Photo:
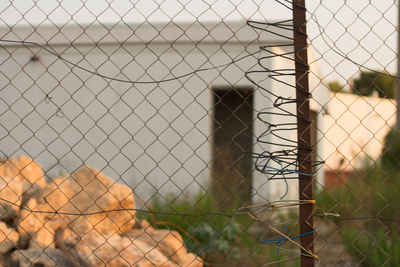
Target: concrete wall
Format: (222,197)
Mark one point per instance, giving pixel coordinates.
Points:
(354,130)
(155,137)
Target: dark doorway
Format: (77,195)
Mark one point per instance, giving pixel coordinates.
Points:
(233,145)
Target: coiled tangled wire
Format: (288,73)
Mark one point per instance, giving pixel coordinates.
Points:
(283,162)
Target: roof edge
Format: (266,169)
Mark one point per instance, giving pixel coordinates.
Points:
(219,32)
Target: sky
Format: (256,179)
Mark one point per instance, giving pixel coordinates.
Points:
(364,30)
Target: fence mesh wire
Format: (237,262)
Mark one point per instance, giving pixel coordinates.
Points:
(163,133)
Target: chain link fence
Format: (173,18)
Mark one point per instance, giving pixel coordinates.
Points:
(165,133)
(357,42)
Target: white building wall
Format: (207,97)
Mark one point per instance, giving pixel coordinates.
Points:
(354,130)
(154,137)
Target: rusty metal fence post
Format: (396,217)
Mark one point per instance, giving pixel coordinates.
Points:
(303,132)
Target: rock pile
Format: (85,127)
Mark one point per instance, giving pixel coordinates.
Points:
(56,236)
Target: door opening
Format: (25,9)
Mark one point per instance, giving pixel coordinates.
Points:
(232,145)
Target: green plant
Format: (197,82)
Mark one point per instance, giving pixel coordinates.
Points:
(222,240)
(369,82)
(335,86)
(391,151)
(373,248)
(374,191)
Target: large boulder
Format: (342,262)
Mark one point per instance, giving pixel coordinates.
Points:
(71,222)
(23,169)
(168,242)
(87,190)
(38,257)
(37,229)
(10,198)
(8,238)
(109,249)
(84,191)
(21,172)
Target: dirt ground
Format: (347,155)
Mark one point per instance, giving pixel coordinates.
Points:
(329,247)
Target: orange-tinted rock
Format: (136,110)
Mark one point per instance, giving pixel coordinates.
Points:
(73,213)
(23,169)
(89,191)
(8,238)
(111,250)
(11,197)
(168,242)
(39,228)
(39,257)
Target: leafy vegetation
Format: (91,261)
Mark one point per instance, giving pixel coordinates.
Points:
(374,248)
(222,240)
(372,192)
(369,82)
(335,86)
(391,152)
